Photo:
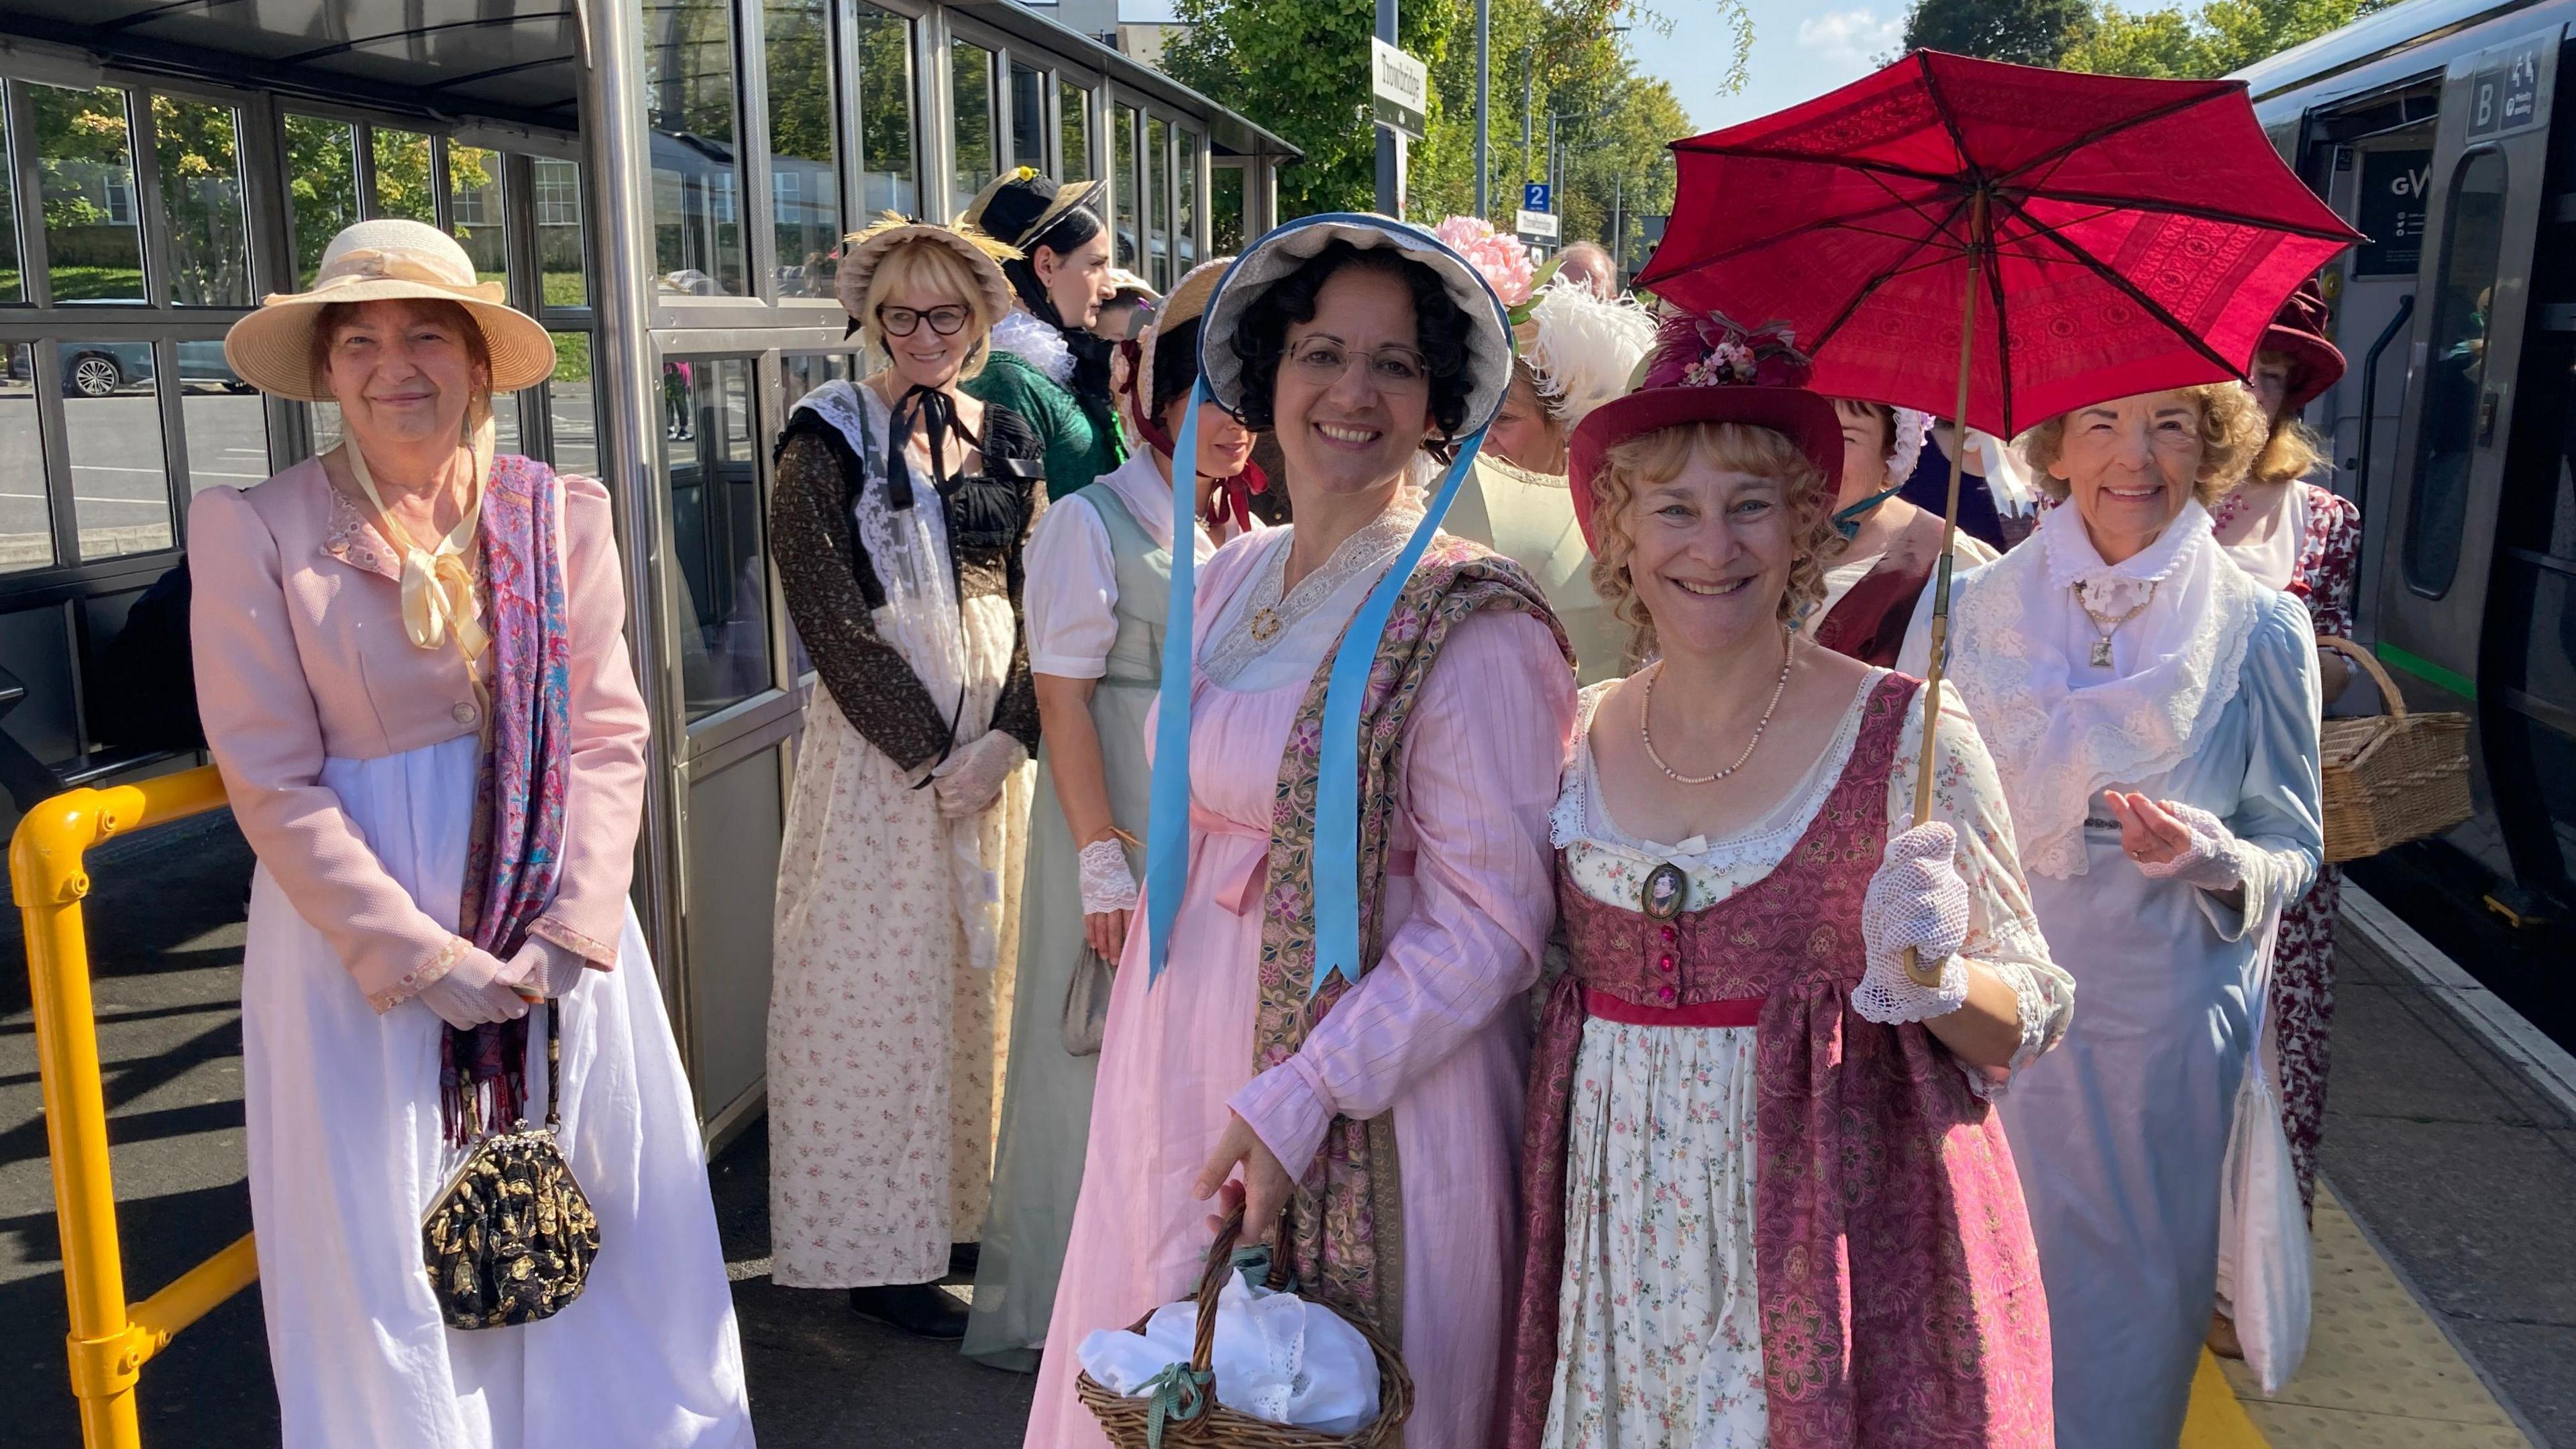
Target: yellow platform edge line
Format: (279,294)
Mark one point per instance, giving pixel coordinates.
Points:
(2217,1420)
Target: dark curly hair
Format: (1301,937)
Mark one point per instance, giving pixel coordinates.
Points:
(1441,330)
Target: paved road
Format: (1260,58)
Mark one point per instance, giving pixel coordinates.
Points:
(120,492)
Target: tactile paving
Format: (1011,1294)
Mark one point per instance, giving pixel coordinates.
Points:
(2379,1374)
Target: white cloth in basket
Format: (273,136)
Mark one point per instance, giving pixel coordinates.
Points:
(1277,1357)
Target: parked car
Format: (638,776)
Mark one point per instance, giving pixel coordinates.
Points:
(102,369)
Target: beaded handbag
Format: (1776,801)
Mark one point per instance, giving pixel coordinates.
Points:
(510,1239)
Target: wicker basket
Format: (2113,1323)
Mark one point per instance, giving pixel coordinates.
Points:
(1125,1419)
(2391,778)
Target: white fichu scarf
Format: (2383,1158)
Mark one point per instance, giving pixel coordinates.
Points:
(439,602)
(908,548)
(2062,730)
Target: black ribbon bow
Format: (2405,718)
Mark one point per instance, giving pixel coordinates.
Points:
(936,411)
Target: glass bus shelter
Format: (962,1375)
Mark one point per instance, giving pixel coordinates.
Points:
(662,182)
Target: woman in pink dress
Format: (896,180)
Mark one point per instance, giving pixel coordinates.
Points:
(1385,1113)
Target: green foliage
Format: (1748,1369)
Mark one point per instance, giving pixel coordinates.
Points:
(2029,32)
(2219,37)
(1300,68)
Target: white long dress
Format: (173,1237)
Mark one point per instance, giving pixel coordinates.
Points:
(346,1153)
(2210,699)
(890,927)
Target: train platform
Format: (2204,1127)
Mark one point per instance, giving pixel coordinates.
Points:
(2446,1254)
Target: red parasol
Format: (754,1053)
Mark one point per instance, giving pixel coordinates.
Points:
(2118,236)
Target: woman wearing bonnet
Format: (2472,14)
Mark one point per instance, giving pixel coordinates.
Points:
(2152,709)
(1047,363)
(1575,352)
(412,667)
(900,511)
(1386,1109)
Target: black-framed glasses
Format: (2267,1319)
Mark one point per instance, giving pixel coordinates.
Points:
(1396,369)
(903,321)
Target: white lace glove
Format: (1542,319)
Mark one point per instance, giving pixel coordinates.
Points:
(1107,882)
(473,994)
(2216,860)
(970,779)
(1916,899)
(543,970)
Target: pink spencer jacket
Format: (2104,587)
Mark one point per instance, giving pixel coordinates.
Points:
(296,620)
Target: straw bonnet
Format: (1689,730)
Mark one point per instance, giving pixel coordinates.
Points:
(1187,303)
(862,251)
(1293,244)
(384,260)
(1707,369)
(1130,287)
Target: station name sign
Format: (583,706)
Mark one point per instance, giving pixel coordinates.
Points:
(1400,87)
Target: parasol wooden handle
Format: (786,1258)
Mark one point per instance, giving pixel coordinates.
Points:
(1980,236)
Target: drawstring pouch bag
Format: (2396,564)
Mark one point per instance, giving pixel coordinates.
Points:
(2264,1266)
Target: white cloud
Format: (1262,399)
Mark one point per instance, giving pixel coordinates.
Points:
(1850,39)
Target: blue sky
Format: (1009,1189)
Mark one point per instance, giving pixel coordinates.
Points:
(1801,48)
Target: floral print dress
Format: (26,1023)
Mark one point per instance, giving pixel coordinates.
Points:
(1659,1322)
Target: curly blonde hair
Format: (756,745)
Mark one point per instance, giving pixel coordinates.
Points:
(2232,431)
(1659,457)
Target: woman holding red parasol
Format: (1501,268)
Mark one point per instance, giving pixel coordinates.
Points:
(2153,712)
(1709,1262)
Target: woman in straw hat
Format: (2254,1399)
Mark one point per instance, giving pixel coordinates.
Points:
(411,663)
(1386,1110)
(1099,576)
(1766,1202)
(1576,352)
(900,510)
(1048,365)
(2153,713)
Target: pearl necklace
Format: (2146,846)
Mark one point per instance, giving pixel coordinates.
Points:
(1646,736)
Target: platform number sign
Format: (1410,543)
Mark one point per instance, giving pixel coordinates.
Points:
(1534,196)
(2505,96)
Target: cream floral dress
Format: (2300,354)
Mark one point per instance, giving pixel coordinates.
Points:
(1660,1339)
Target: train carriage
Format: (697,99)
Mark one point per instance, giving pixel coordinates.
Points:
(2434,126)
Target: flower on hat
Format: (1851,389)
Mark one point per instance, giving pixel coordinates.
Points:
(1504,262)
(1695,349)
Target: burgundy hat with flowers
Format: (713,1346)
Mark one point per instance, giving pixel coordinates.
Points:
(1707,369)
(2304,331)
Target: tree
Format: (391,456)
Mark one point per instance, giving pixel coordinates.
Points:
(2030,32)
(1296,65)
(2220,37)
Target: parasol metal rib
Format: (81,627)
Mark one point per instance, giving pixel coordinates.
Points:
(2003,359)
(2111,274)
(1903,264)
(2112,205)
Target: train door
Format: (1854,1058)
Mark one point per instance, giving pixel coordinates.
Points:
(2435,536)
(2527,676)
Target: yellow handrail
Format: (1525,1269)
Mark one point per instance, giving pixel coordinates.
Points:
(110,1340)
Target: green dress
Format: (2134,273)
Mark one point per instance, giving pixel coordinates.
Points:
(1081,435)
(1046,1105)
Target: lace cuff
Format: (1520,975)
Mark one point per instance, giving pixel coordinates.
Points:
(2040,1030)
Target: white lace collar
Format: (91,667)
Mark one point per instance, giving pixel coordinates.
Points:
(2062,729)
(1268,615)
(1041,346)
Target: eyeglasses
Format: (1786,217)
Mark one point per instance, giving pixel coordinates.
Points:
(1322,362)
(902,321)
